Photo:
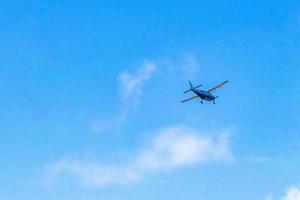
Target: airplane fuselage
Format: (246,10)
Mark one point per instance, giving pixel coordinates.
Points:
(204,95)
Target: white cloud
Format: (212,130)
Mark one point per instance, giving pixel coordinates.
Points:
(293,193)
(131,84)
(131,92)
(171,148)
(179,146)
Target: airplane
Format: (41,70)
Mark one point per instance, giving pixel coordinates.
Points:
(202,94)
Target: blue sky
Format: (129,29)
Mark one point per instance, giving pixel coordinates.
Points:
(90,100)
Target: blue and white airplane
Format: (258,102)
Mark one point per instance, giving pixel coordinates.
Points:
(202,94)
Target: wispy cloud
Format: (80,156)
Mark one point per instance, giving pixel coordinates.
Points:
(292,193)
(90,174)
(257,159)
(269,197)
(181,146)
(130,93)
(187,64)
(131,83)
(190,65)
(170,148)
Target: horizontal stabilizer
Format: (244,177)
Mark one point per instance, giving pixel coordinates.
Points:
(193,88)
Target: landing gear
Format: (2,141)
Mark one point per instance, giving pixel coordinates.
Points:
(214,102)
(201,101)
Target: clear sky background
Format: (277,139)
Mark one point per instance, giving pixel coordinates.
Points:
(90,100)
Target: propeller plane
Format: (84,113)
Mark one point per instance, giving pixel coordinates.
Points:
(203,94)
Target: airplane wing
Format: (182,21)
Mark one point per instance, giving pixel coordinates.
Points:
(191,89)
(194,97)
(216,87)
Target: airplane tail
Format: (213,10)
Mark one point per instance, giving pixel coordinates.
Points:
(191,85)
